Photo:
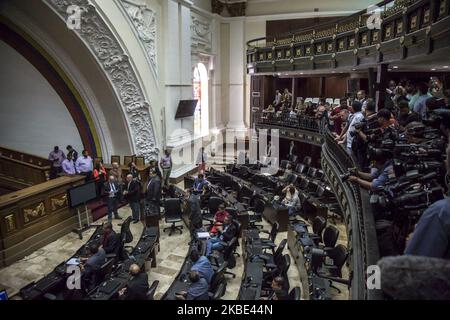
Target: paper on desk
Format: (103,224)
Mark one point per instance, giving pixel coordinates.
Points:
(73,262)
(202,235)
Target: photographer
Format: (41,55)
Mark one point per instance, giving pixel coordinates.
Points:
(356,119)
(431,238)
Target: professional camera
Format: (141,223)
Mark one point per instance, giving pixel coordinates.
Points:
(351,172)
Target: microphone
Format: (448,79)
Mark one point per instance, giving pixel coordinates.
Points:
(415,278)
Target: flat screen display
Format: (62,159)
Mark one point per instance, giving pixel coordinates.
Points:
(82,194)
(186,108)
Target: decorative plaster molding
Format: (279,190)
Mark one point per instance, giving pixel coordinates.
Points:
(143,20)
(105,46)
(201,35)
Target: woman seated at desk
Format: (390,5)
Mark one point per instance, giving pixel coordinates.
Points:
(291,200)
(219,218)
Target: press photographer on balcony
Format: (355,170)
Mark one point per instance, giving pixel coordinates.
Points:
(431,237)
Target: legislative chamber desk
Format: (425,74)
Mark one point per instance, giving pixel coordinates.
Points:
(34,217)
(252,278)
(181,282)
(55,281)
(300,245)
(144,250)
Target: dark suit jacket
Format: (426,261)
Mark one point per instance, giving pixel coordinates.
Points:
(107,188)
(230,233)
(112,243)
(137,287)
(154,190)
(134,191)
(195,213)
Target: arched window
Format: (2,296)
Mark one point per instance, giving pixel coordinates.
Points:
(201,116)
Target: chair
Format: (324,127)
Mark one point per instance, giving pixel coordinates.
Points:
(300,168)
(293,158)
(125,237)
(271,261)
(227,255)
(308,100)
(315,100)
(307,161)
(338,255)
(115,159)
(330,236)
(311,172)
(98,160)
(220,291)
(213,206)
(330,101)
(104,271)
(127,160)
(319,223)
(337,102)
(295,294)
(283,164)
(218,284)
(152,290)
(269,243)
(258,209)
(281,270)
(172,215)
(140,161)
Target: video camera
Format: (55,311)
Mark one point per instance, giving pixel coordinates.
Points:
(351,172)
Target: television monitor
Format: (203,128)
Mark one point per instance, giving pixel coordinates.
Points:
(82,194)
(186,108)
(3,295)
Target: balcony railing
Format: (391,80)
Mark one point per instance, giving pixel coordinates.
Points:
(393,31)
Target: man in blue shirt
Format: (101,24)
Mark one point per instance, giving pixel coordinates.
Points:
(376,180)
(420,106)
(198,289)
(202,265)
(199,183)
(431,238)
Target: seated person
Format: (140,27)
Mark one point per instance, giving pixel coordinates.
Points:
(278,292)
(225,233)
(198,289)
(219,217)
(205,195)
(287,173)
(110,240)
(202,265)
(199,183)
(92,264)
(292,199)
(137,287)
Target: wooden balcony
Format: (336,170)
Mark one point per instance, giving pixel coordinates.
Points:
(408,29)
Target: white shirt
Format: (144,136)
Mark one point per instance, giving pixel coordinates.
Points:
(357,118)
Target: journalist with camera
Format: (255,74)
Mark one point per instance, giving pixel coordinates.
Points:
(401,163)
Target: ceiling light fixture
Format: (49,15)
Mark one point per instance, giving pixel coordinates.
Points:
(395,67)
(433,69)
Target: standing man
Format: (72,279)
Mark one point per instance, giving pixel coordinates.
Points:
(71,151)
(201,160)
(277,100)
(166,166)
(68,166)
(132,194)
(112,189)
(192,205)
(116,171)
(153,194)
(358,116)
(84,165)
(292,150)
(57,157)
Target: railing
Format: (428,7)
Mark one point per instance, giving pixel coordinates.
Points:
(22,170)
(33,217)
(362,38)
(286,120)
(358,217)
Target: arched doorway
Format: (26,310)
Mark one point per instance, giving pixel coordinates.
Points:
(201,93)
